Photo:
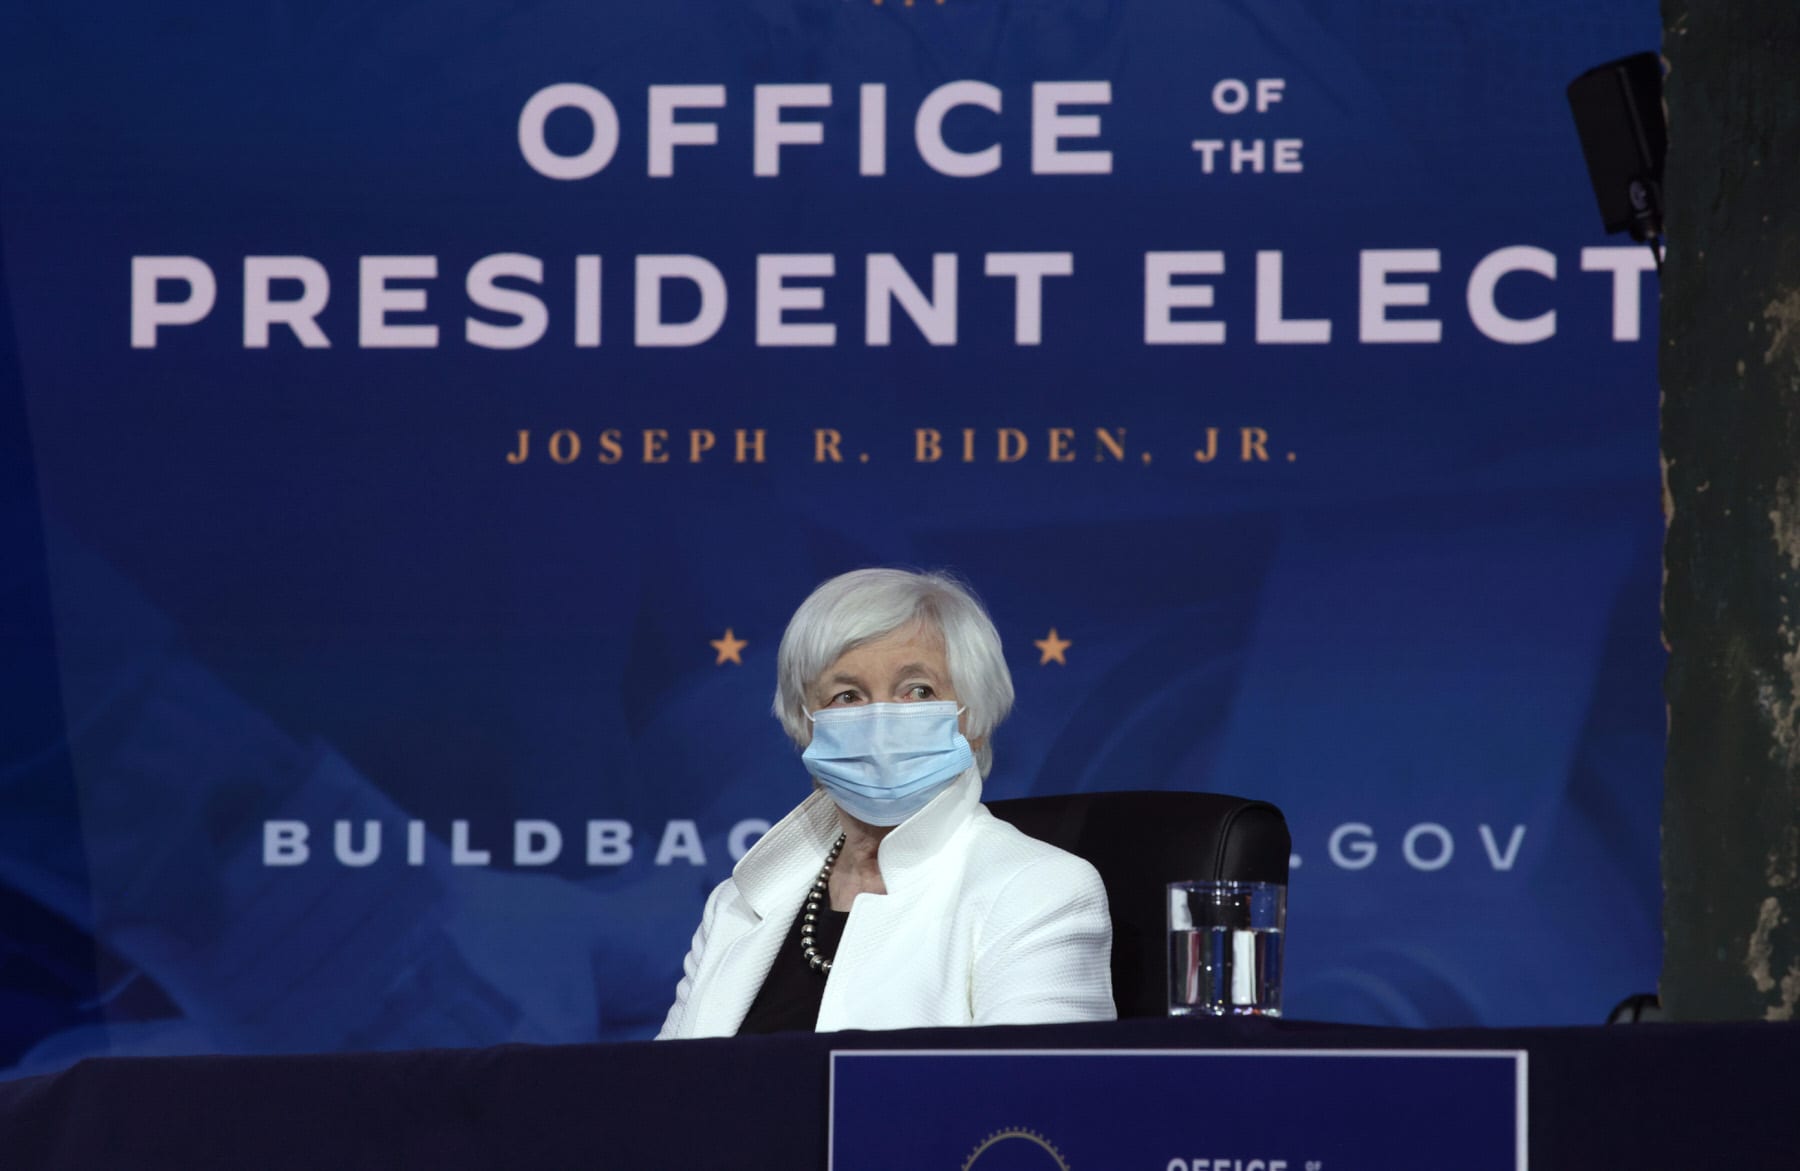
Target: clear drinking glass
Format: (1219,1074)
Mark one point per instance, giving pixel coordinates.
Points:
(1225,948)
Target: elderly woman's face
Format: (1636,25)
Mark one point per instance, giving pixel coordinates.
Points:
(906,666)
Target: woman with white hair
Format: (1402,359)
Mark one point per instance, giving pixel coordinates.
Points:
(891,898)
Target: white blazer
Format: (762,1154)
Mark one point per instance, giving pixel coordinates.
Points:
(980,925)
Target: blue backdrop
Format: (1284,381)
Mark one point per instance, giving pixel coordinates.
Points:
(429,416)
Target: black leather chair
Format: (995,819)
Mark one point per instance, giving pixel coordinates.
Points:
(1140,842)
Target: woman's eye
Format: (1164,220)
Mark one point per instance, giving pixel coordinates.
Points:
(845,697)
(920,691)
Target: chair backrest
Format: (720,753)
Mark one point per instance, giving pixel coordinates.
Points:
(1141,842)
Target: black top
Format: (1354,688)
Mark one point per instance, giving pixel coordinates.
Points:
(790,996)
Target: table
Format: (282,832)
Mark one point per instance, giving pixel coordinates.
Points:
(1697,1096)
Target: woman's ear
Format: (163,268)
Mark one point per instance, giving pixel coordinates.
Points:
(962,725)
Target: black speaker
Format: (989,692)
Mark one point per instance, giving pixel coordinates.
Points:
(1618,113)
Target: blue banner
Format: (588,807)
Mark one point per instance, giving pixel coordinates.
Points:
(422,423)
(1180,1110)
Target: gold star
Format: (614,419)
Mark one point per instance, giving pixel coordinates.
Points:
(1052,648)
(728,648)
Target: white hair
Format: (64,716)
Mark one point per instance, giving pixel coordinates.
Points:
(867,604)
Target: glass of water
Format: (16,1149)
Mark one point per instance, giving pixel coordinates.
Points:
(1225,948)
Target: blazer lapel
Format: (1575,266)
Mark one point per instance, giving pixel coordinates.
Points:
(771,879)
(850,1000)
(743,965)
(876,972)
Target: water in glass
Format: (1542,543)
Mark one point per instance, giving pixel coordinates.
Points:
(1225,971)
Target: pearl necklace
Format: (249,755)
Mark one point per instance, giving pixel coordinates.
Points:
(809,915)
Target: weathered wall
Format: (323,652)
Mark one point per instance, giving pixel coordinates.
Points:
(1731,458)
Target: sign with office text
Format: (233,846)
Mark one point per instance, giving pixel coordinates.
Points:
(1178,1110)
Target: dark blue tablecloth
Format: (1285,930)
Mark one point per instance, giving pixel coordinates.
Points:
(1695,1097)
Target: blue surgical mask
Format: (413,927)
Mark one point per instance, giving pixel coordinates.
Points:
(883,762)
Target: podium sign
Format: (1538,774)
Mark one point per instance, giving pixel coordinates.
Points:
(1178,1110)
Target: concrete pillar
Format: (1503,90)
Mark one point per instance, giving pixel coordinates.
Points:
(1731,465)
